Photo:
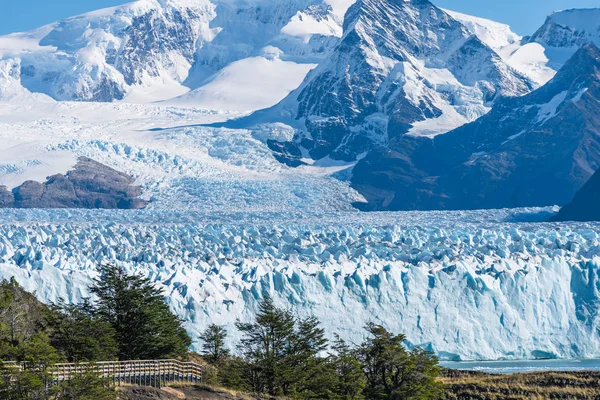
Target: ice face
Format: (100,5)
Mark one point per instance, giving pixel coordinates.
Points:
(464,284)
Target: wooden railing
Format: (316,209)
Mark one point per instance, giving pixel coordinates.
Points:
(156,373)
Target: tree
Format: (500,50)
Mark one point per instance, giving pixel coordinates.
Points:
(311,376)
(394,373)
(144,325)
(350,378)
(282,354)
(21,317)
(84,387)
(266,347)
(214,350)
(80,335)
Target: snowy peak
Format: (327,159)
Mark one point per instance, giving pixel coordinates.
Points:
(401,67)
(571,28)
(494,34)
(102,55)
(155,50)
(566,31)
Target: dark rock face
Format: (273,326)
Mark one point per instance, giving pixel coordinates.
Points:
(585,206)
(89,185)
(536,150)
(7,198)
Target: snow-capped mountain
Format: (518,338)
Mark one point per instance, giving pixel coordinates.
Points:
(538,149)
(496,35)
(566,31)
(402,67)
(153,50)
(103,55)
(527,58)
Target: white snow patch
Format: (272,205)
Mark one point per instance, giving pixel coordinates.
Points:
(531,60)
(248,85)
(508,139)
(305,26)
(549,110)
(24,161)
(579,95)
(494,34)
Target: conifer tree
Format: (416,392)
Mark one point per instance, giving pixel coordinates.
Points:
(350,378)
(214,350)
(311,376)
(144,325)
(80,335)
(266,347)
(394,373)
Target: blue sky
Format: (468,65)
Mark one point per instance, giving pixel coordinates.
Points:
(523,15)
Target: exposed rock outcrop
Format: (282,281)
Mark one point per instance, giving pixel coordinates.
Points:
(89,185)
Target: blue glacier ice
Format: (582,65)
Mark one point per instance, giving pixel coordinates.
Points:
(467,285)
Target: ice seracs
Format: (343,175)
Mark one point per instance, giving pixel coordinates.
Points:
(464,285)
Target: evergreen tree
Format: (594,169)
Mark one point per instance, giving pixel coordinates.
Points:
(145,327)
(214,350)
(84,387)
(311,376)
(266,347)
(80,335)
(394,373)
(350,378)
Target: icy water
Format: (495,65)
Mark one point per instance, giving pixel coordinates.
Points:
(511,367)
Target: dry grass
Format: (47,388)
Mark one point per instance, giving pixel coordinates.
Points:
(546,385)
(218,391)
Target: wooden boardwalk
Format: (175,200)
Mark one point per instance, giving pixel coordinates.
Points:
(155,373)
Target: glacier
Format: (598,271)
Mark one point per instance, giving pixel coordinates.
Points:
(478,285)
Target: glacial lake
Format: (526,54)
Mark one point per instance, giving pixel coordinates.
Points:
(517,366)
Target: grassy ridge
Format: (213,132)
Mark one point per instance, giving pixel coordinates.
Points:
(538,385)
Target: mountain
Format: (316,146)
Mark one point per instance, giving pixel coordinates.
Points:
(494,34)
(585,206)
(527,58)
(103,55)
(566,31)
(153,50)
(534,150)
(401,67)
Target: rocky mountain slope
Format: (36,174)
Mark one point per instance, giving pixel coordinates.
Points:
(538,149)
(585,206)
